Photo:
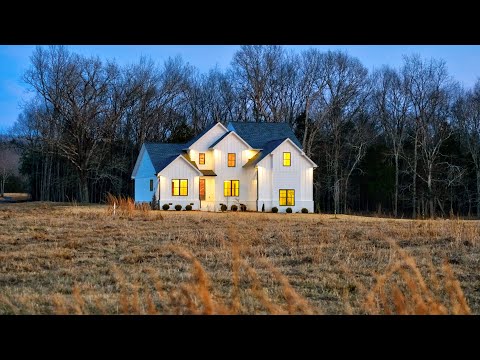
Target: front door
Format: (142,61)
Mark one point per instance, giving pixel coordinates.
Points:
(202,189)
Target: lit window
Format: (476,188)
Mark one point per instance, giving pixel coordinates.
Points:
(179,187)
(231,188)
(201,158)
(231,159)
(287,197)
(151,185)
(287,159)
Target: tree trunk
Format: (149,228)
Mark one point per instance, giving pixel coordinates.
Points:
(430,194)
(336,184)
(478,192)
(414,190)
(83,188)
(2,186)
(345,196)
(395,205)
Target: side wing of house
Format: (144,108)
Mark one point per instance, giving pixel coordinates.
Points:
(178,184)
(145,181)
(285,179)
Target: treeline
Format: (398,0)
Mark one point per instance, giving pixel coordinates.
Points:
(402,141)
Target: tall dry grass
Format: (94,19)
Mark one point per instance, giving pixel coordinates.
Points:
(207,263)
(402,290)
(125,206)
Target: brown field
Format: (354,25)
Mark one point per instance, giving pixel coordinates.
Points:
(64,258)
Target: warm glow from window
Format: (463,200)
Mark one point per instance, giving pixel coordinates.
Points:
(287,159)
(287,197)
(232,159)
(179,187)
(201,158)
(231,188)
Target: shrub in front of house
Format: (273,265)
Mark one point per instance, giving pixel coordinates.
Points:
(223,207)
(243,207)
(165,207)
(289,210)
(234,208)
(274,209)
(178,207)
(188,207)
(304,211)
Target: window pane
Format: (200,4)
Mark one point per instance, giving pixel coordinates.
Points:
(175,187)
(283,193)
(235,186)
(183,187)
(226,188)
(151,185)
(291,197)
(201,158)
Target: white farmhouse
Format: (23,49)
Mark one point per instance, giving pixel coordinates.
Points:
(260,165)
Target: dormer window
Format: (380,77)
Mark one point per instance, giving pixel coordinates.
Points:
(287,159)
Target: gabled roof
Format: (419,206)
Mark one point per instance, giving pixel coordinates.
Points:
(268,149)
(196,138)
(163,154)
(219,139)
(259,134)
(225,135)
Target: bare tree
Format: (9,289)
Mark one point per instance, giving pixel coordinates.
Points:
(311,87)
(266,78)
(391,105)
(77,106)
(431,92)
(8,165)
(467,111)
(344,97)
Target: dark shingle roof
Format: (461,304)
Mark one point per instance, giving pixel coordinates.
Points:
(265,136)
(267,149)
(220,139)
(163,154)
(204,131)
(258,134)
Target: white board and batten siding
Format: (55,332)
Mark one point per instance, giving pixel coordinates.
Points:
(143,173)
(273,176)
(202,146)
(179,169)
(246,176)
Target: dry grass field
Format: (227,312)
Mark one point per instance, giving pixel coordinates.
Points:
(64,258)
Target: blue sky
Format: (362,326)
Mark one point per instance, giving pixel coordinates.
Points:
(463,62)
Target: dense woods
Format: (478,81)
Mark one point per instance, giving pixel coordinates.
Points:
(401,141)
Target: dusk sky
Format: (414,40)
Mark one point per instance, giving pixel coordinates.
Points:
(463,62)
